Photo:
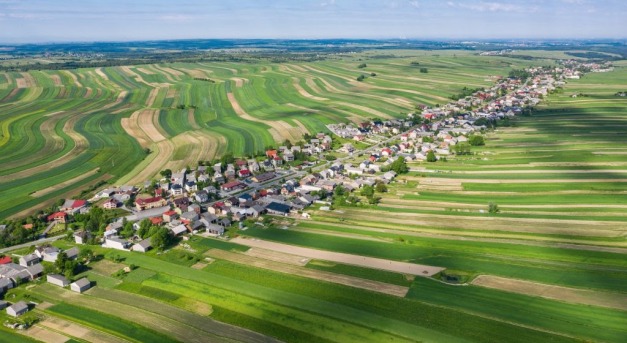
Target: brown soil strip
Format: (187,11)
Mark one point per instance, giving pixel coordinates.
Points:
(152,96)
(303,92)
(45,335)
(21,83)
(346,280)
(148,121)
(56,79)
(200,265)
(239,82)
(362,261)
(567,294)
(277,256)
(79,331)
(310,110)
(192,119)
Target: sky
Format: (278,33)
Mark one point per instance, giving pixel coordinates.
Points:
(35,21)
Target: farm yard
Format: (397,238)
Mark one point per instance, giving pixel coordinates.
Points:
(62,131)
(432,262)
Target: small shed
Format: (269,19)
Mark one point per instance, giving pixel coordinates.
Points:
(17,309)
(57,279)
(80,285)
(143,246)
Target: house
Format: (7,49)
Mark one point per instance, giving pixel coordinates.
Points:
(115,242)
(15,272)
(80,285)
(278,209)
(182,204)
(48,254)
(178,230)
(57,279)
(202,196)
(6,259)
(215,229)
(263,177)
(288,157)
(17,309)
(243,173)
(176,190)
(143,246)
(256,211)
(231,186)
(110,204)
(168,216)
(5,285)
(145,204)
(81,237)
(35,271)
(72,206)
(29,260)
(59,217)
(72,253)
(271,153)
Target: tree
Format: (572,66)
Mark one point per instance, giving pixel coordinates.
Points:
(339,191)
(60,262)
(424,70)
(431,156)
(144,227)
(167,173)
(493,208)
(374,200)
(86,254)
(462,148)
(161,239)
(399,166)
(476,140)
(361,66)
(361,77)
(367,191)
(381,187)
(127,230)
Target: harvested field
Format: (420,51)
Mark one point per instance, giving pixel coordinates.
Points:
(43,334)
(277,256)
(56,79)
(106,267)
(79,331)
(152,96)
(363,261)
(239,82)
(309,273)
(276,134)
(572,295)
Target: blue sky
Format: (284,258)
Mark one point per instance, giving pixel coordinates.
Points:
(116,20)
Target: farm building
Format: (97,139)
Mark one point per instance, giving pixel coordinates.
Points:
(278,209)
(80,285)
(17,309)
(57,279)
(5,259)
(145,204)
(72,253)
(116,242)
(143,246)
(3,304)
(80,237)
(72,206)
(215,229)
(5,285)
(178,230)
(29,260)
(231,186)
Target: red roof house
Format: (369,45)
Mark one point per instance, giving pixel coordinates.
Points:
(60,217)
(5,260)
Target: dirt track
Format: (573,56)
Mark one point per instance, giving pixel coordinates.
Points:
(346,280)
(362,261)
(572,295)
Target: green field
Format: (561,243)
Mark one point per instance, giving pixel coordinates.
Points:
(61,131)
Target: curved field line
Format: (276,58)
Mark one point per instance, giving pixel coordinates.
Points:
(191,119)
(63,184)
(162,152)
(304,92)
(239,81)
(148,121)
(276,135)
(73,77)
(152,96)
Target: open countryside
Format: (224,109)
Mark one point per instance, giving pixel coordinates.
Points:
(297,190)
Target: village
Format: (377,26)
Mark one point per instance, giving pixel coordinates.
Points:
(211,200)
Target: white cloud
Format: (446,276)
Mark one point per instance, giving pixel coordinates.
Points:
(414,3)
(482,6)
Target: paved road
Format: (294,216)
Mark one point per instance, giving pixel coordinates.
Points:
(153,212)
(28,244)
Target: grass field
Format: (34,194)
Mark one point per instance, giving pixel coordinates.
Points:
(558,178)
(68,128)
